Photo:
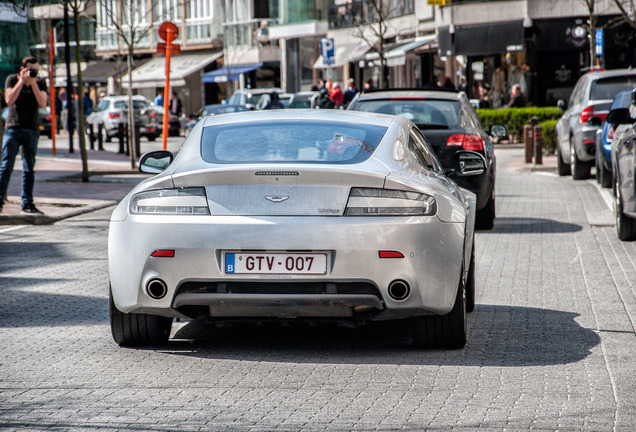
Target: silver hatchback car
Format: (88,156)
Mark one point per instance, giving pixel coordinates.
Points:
(588,106)
(296,214)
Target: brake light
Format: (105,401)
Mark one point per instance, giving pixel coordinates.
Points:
(610,134)
(114,115)
(48,118)
(589,112)
(466,141)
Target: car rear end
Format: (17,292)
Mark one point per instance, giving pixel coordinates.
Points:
(260,227)
(446,124)
(601,92)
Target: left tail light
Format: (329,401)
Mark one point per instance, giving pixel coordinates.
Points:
(588,113)
(470,142)
(179,201)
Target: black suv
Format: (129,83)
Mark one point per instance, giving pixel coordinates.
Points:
(449,123)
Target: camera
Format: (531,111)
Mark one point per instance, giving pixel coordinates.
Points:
(33,72)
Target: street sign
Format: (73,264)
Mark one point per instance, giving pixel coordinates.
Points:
(164,34)
(327,51)
(437,2)
(174,48)
(599,42)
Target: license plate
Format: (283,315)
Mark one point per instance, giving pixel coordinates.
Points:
(276,263)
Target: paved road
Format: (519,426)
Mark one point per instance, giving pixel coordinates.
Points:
(551,343)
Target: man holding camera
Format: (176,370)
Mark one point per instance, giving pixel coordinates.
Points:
(24,93)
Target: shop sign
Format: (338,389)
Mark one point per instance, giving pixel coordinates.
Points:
(514,48)
(563,74)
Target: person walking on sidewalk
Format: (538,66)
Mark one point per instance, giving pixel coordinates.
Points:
(24,93)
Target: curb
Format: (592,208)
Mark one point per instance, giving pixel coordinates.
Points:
(50,220)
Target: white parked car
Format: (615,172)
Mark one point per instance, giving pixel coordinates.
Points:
(310,214)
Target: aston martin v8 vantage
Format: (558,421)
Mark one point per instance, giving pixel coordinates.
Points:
(296,214)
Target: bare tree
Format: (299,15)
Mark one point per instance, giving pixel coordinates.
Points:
(132,21)
(592,22)
(373,28)
(78,7)
(628,11)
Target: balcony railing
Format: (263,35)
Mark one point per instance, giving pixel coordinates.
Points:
(362,12)
(252,33)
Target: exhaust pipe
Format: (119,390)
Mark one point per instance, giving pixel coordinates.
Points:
(399,290)
(157,289)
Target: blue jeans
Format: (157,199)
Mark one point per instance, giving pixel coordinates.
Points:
(13,139)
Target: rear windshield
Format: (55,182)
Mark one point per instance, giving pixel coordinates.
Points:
(137,104)
(606,88)
(419,111)
(293,141)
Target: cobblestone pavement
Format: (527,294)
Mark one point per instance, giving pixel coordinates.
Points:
(551,343)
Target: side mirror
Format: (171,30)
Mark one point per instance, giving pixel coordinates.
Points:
(155,162)
(561,105)
(468,163)
(498,131)
(619,116)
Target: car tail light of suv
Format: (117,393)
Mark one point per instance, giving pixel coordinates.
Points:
(589,112)
(466,141)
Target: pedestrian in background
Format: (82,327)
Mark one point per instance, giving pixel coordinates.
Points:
(336,95)
(88,103)
(175,105)
(24,94)
(517,98)
(448,83)
(368,85)
(159,99)
(350,92)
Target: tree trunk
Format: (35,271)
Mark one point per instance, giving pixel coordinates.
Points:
(80,96)
(131,113)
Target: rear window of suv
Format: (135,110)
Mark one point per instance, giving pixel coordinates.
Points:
(606,88)
(290,142)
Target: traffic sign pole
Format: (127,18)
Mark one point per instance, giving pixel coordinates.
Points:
(166,91)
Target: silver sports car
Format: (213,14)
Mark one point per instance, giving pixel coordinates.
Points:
(296,214)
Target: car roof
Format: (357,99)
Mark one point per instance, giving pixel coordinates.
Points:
(410,93)
(593,75)
(302,114)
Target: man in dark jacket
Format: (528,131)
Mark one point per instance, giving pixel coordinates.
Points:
(24,94)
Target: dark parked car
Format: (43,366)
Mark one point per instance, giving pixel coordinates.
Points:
(151,118)
(588,107)
(623,166)
(213,109)
(450,124)
(45,120)
(604,138)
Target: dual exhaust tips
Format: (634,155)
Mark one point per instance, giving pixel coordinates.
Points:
(398,289)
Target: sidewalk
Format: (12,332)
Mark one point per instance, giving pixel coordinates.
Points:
(59,191)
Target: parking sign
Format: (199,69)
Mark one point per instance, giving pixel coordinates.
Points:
(327,51)
(599,42)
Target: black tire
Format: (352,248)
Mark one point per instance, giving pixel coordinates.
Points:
(562,168)
(625,226)
(105,137)
(580,169)
(470,282)
(151,137)
(603,175)
(137,329)
(485,218)
(443,331)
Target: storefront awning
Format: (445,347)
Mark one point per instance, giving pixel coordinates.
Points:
(100,71)
(153,73)
(230,73)
(483,39)
(344,53)
(397,56)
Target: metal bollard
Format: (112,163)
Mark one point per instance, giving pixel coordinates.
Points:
(100,139)
(120,135)
(91,136)
(538,144)
(527,142)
